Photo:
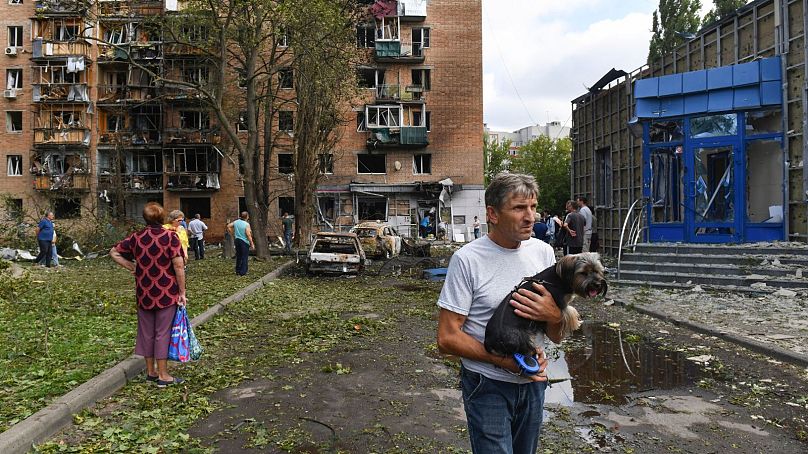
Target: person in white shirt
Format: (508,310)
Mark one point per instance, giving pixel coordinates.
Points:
(587,214)
(196,231)
(503,406)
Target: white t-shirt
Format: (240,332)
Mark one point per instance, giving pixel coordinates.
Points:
(587,213)
(480,275)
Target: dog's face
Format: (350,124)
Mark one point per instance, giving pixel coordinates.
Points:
(584,273)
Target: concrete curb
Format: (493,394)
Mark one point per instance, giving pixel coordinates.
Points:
(43,424)
(751,344)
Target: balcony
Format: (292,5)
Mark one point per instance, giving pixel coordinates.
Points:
(129,138)
(46,49)
(60,170)
(412,10)
(134,182)
(129,8)
(193,181)
(61,8)
(65,182)
(77,136)
(137,51)
(190,136)
(402,137)
(123,94)
(60,93)
(398,52)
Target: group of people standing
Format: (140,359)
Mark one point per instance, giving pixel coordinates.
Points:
(573,234)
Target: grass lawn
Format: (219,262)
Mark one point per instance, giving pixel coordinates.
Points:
(285,324)
(72,324)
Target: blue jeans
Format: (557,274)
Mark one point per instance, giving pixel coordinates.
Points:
(242,254)
(502,417)
(287,239)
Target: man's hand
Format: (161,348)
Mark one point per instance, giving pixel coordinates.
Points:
(538,305)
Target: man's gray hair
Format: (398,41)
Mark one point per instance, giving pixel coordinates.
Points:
(506,185)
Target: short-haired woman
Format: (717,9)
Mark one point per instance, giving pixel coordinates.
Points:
(175,219)
(154,256)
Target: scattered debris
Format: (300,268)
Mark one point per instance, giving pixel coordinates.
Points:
(701,359)
(697,289)
(608,303)
(758,285)
(785,293)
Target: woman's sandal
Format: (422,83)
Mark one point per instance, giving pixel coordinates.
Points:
(173,381)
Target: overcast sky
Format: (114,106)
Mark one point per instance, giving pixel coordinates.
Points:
(548,51)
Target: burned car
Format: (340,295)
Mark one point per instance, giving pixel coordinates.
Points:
(335,253)
(378,239)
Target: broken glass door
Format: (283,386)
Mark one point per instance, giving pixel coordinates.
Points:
(713,197)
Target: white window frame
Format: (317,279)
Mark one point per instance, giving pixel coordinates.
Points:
(394,29)
(383,114)
(13,82)
(15,2)
(11,31)
(281,78)
(418,164)
(14,165)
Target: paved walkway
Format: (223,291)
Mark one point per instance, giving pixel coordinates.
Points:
(769,319)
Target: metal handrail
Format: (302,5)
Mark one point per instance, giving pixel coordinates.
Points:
(634,232)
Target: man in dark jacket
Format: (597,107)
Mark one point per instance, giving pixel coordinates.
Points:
(574,224)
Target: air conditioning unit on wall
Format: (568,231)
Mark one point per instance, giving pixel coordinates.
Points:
(10,93)
(11,50)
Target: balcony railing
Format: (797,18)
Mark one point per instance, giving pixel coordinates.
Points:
(114,94)
(193,181)
(412,10)
(399,51)
(62,136)
(193,136)
(388,92)
(131,182)
(43,48)
(129,138)
(124,8)
(64,92)
(62,182)
(405,136)
(122,52)
(61,7)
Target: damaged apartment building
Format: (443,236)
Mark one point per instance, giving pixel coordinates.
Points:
(88,129)
(707,144)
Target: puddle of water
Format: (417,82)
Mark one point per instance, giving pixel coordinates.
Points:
(593,358)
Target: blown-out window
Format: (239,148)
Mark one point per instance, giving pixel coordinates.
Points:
(383,116)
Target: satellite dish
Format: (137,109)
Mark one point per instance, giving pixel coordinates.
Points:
(397,165)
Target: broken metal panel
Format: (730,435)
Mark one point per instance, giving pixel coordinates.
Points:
(759,30)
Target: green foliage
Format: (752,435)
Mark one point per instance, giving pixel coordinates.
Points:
(287,322)
(722,8)
(548,161)
(62,328)
(671,17)
(495,157)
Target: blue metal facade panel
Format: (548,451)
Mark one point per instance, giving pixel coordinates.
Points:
(694,81)
(696,103)
(770,69)
(720,100)
(771,93)
(736,87)
(670,85)
(719,78)
(646,88)
(747,97)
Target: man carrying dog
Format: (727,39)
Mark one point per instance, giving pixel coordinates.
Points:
(503,407)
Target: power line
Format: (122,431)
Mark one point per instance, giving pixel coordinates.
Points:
(507,71)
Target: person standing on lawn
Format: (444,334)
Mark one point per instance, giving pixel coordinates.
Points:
(241,231)
(288,225)
(175,220)
(45,236)
(154,256)
(196,231)
(503,406)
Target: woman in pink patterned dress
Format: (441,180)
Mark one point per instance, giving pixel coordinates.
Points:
(155,257)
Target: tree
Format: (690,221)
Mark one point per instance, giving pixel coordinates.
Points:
(548,161)
(324,83)
(672,20)
(253,41)
(496,157)
(722,8)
